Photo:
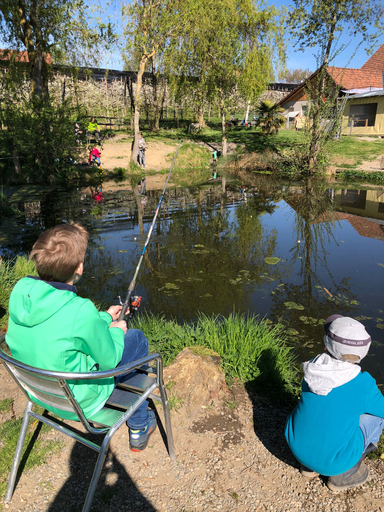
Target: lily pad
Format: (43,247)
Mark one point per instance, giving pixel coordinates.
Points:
(292,332)
(293,305)
(381,264)
(271,260)
(171,286)
(380,326)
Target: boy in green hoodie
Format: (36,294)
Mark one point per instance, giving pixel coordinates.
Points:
(50,327)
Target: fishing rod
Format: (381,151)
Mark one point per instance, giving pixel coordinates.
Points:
(127,303)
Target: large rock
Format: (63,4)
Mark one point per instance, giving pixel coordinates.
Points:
(196,378)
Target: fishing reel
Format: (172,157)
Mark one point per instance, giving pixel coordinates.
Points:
(134,304)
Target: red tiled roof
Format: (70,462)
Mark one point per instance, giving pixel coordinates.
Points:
(19,56)
(376,61)
(349,78)
(369,75)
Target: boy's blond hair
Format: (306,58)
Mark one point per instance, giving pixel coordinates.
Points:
(58,252)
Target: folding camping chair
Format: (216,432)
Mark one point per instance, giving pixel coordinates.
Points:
(52,389)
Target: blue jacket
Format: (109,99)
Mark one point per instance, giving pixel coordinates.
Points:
(323,430)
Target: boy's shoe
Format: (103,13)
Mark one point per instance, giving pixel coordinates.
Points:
(138,439)
(342,482)
(307,473)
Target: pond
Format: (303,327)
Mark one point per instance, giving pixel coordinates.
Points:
(294,253)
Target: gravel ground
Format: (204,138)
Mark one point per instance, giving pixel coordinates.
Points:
(227,460)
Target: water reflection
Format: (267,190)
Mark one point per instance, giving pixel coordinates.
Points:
(212,249)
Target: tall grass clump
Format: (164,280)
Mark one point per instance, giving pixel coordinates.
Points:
(252,351)
(10,272)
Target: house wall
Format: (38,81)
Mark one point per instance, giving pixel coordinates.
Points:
(364,203)
(297,106)
(378,129)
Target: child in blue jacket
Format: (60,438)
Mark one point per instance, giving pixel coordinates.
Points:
(340,416)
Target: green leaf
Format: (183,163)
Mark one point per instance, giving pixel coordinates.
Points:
(271,260)
(293,305)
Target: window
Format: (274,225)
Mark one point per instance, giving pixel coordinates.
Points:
(304,110)
(353,198)
(363,115)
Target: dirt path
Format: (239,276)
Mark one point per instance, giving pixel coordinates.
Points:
(227,460)
(117,152)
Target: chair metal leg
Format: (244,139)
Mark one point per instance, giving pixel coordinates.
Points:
(17,457)
(167,418)
(97,470)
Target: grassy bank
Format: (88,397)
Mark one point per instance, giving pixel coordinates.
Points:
(252,351)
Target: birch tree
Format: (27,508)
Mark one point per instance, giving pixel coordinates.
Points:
(331,26)
(150,24)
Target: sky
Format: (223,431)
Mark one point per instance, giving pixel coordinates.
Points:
(350,57)
(304,60)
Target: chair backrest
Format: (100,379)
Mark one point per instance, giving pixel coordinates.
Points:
(42,385)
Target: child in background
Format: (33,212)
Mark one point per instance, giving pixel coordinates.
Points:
(94,156)
(340,416)
(97,196)
(141,155)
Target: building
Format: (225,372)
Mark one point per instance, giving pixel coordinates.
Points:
(367,79)
(364,114)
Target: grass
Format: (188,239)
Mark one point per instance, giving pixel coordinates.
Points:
(251,350)
(9,433)
(10,272)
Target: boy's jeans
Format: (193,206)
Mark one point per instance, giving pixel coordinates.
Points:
(135,347)
(371,427)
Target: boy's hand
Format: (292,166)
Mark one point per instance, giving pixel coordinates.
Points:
(114,311)
(122,324)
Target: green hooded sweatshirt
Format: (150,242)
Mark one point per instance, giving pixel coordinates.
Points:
(56,330)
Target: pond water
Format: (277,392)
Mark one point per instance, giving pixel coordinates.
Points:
(294,253)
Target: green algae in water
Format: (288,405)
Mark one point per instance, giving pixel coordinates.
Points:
(380,326)
(199,245)
(171,286)
(381,264)
(292,332)
(272,260)
(293,305)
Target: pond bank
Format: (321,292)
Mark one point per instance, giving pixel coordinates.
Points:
(233,458)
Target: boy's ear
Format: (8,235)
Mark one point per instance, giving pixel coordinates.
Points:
(80,269)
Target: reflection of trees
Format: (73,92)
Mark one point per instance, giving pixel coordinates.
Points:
(212,253)
(313,225)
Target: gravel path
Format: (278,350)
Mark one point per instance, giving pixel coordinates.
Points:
(227,460)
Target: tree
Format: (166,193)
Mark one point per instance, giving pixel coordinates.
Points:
(270,118)
(151,24)
(45,29)
(230,47)
(313,23)
(295,76)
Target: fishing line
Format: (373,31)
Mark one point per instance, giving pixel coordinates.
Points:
(131,287)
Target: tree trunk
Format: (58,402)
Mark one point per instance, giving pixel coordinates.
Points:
(156,110)
(223,135)
(136,124)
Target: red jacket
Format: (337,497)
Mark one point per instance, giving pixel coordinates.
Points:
(94,152)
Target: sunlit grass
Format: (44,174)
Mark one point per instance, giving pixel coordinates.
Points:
(9,434)
(251,350)
(10,273)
